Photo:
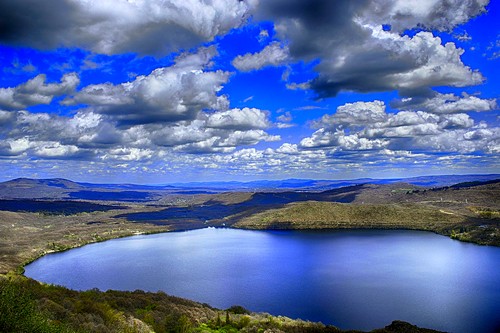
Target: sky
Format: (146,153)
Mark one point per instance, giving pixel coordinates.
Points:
(161,91)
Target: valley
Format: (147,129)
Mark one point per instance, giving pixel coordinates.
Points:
(43,216)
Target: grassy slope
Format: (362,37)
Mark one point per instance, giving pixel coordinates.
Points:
(330,215)
(314,214)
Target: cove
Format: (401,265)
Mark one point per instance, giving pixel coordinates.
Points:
(351,279)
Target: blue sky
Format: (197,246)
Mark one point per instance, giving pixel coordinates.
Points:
(208,90)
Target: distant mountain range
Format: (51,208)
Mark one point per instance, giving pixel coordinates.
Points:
(321,185)
(58,188)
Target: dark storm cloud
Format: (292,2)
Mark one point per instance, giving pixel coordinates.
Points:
(361,71)
(41,24)
(355,53)
(313,26)
(111,27)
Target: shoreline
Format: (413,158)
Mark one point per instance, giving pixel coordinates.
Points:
(374,228)
(21,268)
(285,230)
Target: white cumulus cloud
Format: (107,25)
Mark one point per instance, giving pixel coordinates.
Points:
(239,119)
(167,94)
(273,54)
(36,91)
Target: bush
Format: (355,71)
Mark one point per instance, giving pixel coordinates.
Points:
(237,309)
(19,312)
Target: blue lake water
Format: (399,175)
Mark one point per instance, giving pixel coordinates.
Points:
(350,279)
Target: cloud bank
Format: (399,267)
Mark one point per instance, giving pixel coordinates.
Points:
(185,116)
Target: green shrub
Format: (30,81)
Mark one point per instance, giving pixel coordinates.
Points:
(19,312)
(238,309)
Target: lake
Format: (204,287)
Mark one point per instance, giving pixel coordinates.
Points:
(351,279)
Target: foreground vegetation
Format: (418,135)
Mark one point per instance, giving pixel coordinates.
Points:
(28,306)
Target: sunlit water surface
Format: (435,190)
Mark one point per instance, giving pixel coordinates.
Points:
(351,279)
